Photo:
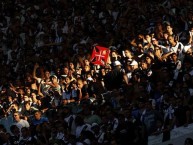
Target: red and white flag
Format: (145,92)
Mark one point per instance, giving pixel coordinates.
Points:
(99,55)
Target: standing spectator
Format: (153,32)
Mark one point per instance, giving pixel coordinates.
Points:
(38,119)
(43,81)
(26,137)
(20,122)
(3,135)
(182,114)
(15,135)
(28,111)
(115,78)
(82,90)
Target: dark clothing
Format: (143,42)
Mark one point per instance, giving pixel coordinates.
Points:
(180,114)
(125,133)
(114,79)
(14,140)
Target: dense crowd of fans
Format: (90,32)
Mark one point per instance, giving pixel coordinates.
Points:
(51,93)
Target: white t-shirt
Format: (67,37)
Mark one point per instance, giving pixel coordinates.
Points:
(22,123)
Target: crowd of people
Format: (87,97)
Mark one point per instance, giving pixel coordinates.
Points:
(52,93)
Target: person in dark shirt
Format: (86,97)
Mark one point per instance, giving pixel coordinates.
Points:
(115,78)
(82,91)
(28,110)
(14,138)
(182,114)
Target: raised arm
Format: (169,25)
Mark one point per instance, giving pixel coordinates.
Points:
(34,71)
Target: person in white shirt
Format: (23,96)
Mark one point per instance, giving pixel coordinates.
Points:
(174,46)
(19,122)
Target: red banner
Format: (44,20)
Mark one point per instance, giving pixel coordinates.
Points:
(100,55)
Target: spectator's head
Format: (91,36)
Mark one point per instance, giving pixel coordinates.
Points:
(67,80)
(27,90)
(2,128)
(37,115)
(71,66)
(149,59)
(144,65)
(14,130)
(171,39)
(128,53)
(16,116)
(134,65)
(148,38)
(169,29)
(74,84)
(10,99)
(27,105)
(188,141)
(128,67)
(157,50)
(34,97)
(117,64)
(165,35)
(141,102)
(174,57)
(80,83)
(86,68)
(86,62)
(54,78)
(188,62)
(25,132)
(65,70)
(47,74)
(57,71)
(114,55)
(21,91)
(26,98)
(15,106)
(79,120)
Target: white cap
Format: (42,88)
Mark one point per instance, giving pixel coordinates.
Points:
(153,39)
(116,63)
(64,76)
(54,76)
(89,79)
(134,62)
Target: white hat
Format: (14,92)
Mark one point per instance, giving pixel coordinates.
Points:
(153,39)
(54,76)
(134,62)
(116,63)
(89,79)
(64,76)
